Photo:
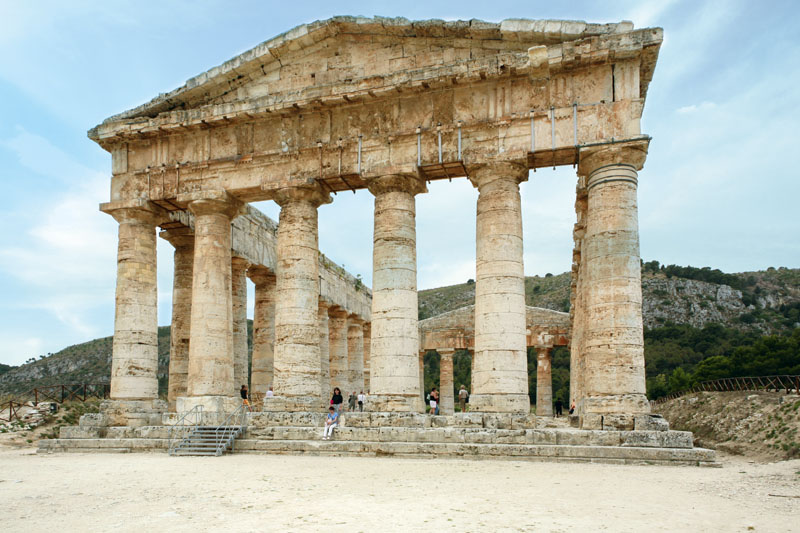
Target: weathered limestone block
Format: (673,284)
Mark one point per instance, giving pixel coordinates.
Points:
(337,326)
(613,375)
(183,241)
(297,359)
(544,383)
(422,379)
(131,413)
(263,329)
(394,372)
(367,344)
(211,348)
(241,371)
(650,422)
(541,436)
(325,389)
(500,375)
(79,432)
(446,401)
(355,353)
(134,362)
(94,420)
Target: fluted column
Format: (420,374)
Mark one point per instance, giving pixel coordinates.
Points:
(614,379)
(355,353)
(577,307)
(183,241)
(500,373)
(337,326)
(211,346)
(297,365)
(324,352)
(367,343)
(446,400)
(134,360)
(239,306)
(422,378)
(263,329)
(544,382)
(395,338)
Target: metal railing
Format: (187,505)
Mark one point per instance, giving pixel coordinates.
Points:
(181,430)
(757,383)
(227,432)
(54,393)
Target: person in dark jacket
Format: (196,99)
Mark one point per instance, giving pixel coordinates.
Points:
(245,397)
(336,399)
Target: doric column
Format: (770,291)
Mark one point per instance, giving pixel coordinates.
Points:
(367,343)
(297,366)
(211,346)
(134,360)
(263,329)
(394,372)
(500,373)
(324,352)
(422,378)
(355,353)
(614,379)
(577,307)
(239,306)
(183,241)
(446,401)
(544,383)
(337,326)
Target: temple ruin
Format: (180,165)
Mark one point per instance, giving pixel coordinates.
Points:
(386,105)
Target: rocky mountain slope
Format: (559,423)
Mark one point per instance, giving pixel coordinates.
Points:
(763,302)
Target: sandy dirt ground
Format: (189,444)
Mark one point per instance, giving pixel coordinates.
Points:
(154,492)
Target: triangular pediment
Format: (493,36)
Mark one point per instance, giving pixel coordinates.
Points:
(314,58)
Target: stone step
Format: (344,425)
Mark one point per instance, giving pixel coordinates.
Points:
(570,453)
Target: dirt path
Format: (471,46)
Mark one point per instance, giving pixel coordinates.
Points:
(131,492)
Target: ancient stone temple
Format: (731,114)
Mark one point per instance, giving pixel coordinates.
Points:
(386,105)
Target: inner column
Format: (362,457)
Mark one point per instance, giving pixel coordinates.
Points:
(446,399)
(544,382)
(337,329)
(324,353)
(297,364)
(614,378)
(239,302)
(395,339)
(263,329)
(183,241)
(500,373)
(210,380)
(355,353)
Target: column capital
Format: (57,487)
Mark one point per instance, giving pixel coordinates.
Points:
(480,174)
(212,202)
(355,321)
(446,352)
(312,194)
(632,153)
(135,210)
(260,275)
(179,237)
(240,262)
(337,312)
(409,183)
(323,306)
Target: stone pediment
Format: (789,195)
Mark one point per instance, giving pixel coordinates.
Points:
(345,58)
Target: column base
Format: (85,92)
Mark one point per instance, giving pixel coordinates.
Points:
(500,403)
(396,403)
(292,404)
(615,412)
(130,413)
(215,408)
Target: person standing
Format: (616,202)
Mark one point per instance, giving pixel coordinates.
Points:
(362,398)
(434,399)
(243,392)
(351,401)
(270,393)
(559,406)
(462,399)
(336,399)
(572,408)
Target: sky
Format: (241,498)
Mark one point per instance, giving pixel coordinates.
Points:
(720,186)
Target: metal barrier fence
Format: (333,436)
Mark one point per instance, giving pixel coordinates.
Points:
(777,383)
(53,393)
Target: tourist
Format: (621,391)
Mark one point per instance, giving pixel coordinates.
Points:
(434,401)
(462,398)
(245,398)
(330,423)
(361,399)
(336,399)
(572,407)
(559,405)
(351,401)
(270,393)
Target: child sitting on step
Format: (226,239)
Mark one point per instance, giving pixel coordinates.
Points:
(331,422)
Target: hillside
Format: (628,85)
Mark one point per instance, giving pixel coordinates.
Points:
(759,425)
(691,315)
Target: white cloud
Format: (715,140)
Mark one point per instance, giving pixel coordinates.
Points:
(704,106)
(19,349)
